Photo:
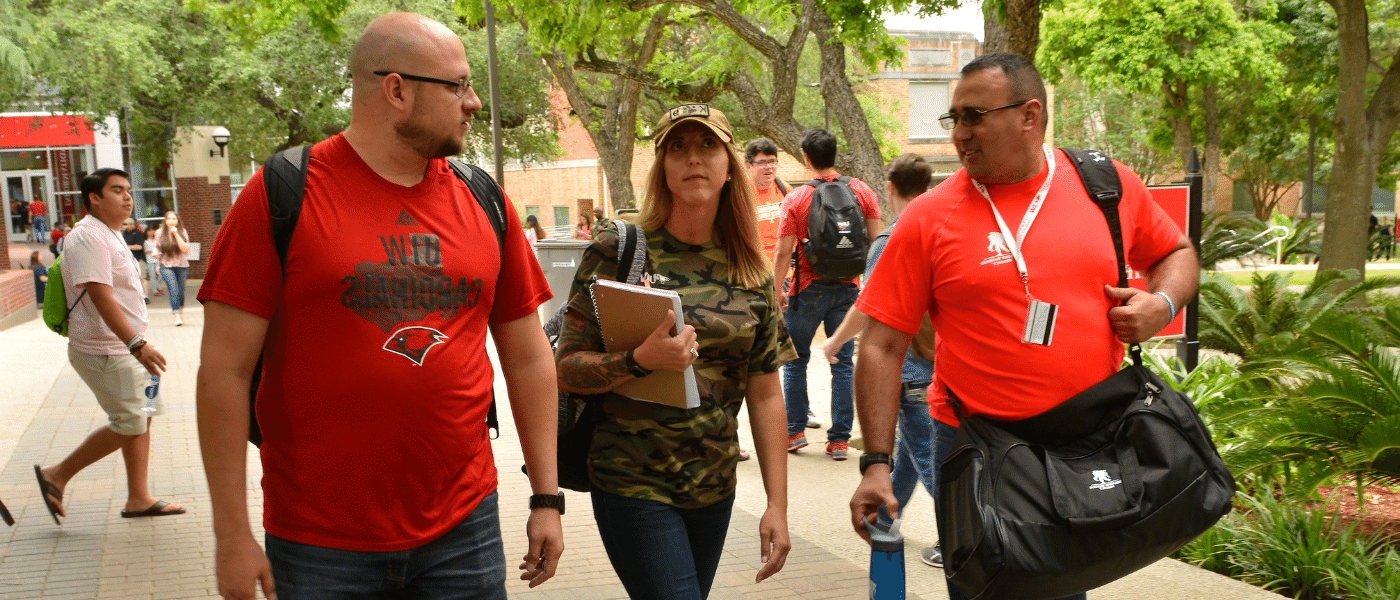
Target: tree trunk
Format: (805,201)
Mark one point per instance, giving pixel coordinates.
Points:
(614,148)
(1176,96)
(864,160)
(1018,33)
(1362,135)
(1210,163)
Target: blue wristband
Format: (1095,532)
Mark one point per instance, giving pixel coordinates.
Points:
(1171,306)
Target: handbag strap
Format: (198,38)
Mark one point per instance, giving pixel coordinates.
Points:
(1101,180)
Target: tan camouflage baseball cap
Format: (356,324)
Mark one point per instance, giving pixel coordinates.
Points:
(710,117)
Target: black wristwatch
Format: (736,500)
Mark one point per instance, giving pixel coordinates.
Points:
(633,367)
(555,501)
(873,458)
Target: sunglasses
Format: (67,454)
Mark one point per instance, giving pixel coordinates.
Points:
(971,117)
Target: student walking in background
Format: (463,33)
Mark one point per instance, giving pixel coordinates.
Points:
(41,276)
(108,349)
(173,253)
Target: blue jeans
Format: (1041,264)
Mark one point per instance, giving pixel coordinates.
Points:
(467,562)
(821,303)
(661,552)
(943,434)
(913,458)
(175,285)
(40,227)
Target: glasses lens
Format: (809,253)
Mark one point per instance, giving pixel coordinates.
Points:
(948,121)
(766,163)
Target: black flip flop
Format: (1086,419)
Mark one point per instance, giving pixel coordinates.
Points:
(47,489)
(5,514)
(153,511)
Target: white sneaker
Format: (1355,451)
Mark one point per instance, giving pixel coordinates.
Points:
(933,556)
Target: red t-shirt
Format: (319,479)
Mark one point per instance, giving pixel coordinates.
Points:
(37,208)
(795,210)
(769,203)
(376,383)
(941,259)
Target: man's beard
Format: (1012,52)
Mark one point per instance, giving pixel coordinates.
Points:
(429,144)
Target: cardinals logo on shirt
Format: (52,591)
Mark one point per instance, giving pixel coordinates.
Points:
(414,343)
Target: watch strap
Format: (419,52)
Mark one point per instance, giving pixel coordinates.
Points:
(874,458)
(636,369)
(555,501)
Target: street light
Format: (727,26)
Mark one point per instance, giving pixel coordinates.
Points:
(1312,156)
(221,138)
(824,105)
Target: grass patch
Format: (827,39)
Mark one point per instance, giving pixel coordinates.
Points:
(1300,277)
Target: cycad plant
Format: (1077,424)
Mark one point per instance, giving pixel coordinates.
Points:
(1268,318)
(1333,412)
(1225,237)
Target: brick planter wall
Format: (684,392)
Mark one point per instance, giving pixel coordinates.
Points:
(198,201)
(16,297)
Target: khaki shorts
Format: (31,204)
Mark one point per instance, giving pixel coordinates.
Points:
(119,382)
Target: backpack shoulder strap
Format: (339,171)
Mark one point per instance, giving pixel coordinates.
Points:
(1101,180)
(487,193)
(284,181)
(631,252)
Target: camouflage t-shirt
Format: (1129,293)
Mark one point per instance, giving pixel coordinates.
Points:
(684,458)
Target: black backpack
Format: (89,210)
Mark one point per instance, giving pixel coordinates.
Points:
(284,180)
(836,242)
(578,413)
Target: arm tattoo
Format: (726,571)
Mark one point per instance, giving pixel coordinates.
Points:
(583,366)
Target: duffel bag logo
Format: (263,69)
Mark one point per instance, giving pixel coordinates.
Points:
(1104,481)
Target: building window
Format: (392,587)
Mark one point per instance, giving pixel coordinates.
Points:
(930,57)
(561,216)
(927,100)
(965,55)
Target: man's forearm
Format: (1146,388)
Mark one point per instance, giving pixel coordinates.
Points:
(528,368)
(1177,275)
(877,384)
(852,325)
(221,398)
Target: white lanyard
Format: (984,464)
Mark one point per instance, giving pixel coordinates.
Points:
(1013,244)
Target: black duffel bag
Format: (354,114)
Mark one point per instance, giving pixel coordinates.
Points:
(1109,481)
(1127,476)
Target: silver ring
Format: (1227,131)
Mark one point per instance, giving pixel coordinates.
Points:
(695,352)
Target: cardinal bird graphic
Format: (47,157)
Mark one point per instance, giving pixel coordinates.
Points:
(414,342)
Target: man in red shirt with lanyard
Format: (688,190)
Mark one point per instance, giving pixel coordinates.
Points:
(378,475)
(954,255)
(809,303)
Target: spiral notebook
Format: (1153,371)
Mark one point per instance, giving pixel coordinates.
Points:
(627,314)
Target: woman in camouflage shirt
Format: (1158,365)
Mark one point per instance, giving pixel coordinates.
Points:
(663,478)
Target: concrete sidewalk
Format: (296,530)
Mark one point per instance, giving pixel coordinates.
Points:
(97,554)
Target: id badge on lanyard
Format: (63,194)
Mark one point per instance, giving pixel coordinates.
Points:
(1040,316)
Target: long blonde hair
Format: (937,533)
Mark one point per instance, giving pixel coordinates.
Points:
(736,223)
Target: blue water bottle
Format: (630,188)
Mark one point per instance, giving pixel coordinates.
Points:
(152,390)
(886,561)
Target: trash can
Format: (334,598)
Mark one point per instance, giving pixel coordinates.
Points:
(559,259)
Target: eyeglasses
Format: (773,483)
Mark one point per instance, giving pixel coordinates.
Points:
(971,117)
(765,163)
(461,85)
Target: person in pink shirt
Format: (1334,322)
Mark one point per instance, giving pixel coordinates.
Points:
(108,348)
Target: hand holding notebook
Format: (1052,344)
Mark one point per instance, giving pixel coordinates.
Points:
(630,315)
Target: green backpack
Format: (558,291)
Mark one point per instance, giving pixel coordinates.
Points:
(56,307)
